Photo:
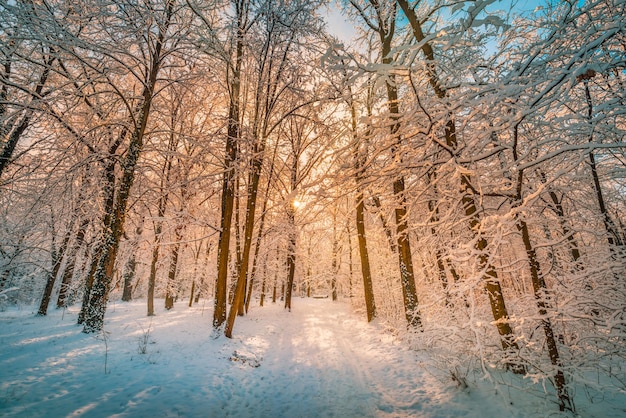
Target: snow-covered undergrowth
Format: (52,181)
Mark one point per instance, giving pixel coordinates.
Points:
(320,360)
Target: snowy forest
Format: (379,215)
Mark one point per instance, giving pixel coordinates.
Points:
(453,170)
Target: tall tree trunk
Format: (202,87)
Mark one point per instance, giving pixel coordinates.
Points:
(274,290)
(104,271)
(131,266)
(292,234)
(129,276)
(260,232)
(238,252)
(253,189)
(359,160)
(153,267)
(309,271)
(350,260)
(405,258)
(57,260)
(158,223)
(335,261)
(196,257)
(109,181)
(170,292)
(263,282)
(228,184)
(613,237)
(291,257)
(68,273)
(543,303)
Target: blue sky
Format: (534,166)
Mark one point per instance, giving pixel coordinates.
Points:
(344,30)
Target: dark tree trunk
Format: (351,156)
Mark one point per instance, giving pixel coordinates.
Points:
(131,266)
(68,273)
(171,295)
(335,260)
(292,234)
(262,300)
(613,237)
(103,276)
(359,159)
(57,260)
(253,188)
(228,185)
(291,257)
(543,303)
(405,258)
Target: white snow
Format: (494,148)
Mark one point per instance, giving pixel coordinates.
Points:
(320,360)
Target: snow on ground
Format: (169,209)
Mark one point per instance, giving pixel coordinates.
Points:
(320,360)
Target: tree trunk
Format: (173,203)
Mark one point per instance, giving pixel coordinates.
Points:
(57,260)
(131,266)
(260,233)
(613,237)
(104,271)
(171,273)
(385,24)
(350,260)
(291,256)
(335,261)
(543,303)
(129,276)
(292,234)
(359,159)
(253,189)
(109,203)
(405,260)
(393,246)
(263,282)
(228,184)
(153,265)
(196,256)
(237,228)
(68,273)
(274,290)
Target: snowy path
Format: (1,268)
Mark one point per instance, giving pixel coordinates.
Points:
(320,360)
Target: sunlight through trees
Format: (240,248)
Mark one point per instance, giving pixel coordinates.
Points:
(457,170)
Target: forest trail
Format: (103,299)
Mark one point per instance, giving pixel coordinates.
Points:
(320,360)
(337,365)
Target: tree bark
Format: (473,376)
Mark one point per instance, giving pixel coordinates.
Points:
(253,188)
(405,260)
(228,184)
(292,234)
(68,273)
(335,261)
(543,304)
(57,260)
(171,273)
(103,276)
